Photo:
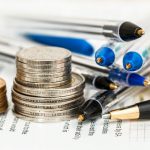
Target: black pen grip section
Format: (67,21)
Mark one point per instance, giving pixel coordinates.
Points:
(102,83)
(128,30)
(144,109)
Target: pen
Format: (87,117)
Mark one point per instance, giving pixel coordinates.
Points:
(98,80)
(106,55)
(138,111)
(128,79)
(137,55)
(79,27)
(94,106)
(102,102)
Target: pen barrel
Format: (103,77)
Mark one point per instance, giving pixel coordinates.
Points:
(78,26)
(125,114)
(112,31)
(118,76)
(130,79)
(144,109)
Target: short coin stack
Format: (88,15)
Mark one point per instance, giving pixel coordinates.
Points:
(44,88)
(3,97)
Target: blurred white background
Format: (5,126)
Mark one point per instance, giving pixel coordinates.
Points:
(134,10)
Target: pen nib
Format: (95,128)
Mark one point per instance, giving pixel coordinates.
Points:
(99,60)
(146,83)
(140,32)
(81,118)
(128,66)
(113,86)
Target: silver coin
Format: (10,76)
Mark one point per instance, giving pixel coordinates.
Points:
(41,100)
(46,71)
(49,109)
(39,113)
(43,74)
(43,55)
(48,106)
(45,66)
(44,119)
(47,80)
(43,85)
(77,84)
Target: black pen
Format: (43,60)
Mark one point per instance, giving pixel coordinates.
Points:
(138,111)
(78,27)
(93,108)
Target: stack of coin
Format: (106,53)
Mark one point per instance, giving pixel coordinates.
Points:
(44,88)
(3,97)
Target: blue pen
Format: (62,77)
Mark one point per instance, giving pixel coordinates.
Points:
(76,45)
(134,59)
(129,79)
(106,55)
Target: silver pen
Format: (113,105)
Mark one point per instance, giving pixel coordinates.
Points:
(78,27)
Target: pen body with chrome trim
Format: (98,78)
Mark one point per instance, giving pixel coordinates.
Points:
(79,27)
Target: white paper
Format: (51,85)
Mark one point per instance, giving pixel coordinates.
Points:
(17,134)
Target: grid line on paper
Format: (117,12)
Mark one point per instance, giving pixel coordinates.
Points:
(139,131)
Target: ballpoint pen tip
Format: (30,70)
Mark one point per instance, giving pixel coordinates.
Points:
(128,66)
(99,60)
(81,118)
(106,116)
(140,32)
(113,86)
(146,83)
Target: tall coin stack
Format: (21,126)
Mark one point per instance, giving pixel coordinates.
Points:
(45,89)
(3,97)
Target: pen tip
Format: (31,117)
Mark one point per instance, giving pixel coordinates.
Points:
(106,116)
(81,118)
(146,83)
(99,60)
(128,66)
(113,86)
(140,32)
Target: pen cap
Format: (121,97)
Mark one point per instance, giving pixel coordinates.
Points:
(134,59)
(127,31)
(107,56)
(144,110)
(135,79)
